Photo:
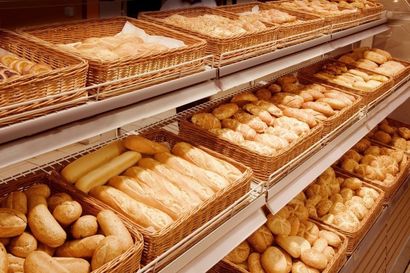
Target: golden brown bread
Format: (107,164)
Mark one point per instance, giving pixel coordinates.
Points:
(47,249)
(41,262)
(263,94)
(4,262)
(67,212)
(35,200)
(56,199)
(270,107)
(274,261)
(12,223)
(261,239)
(85,226)
(76,265)
(254,263)
(82,248)
(323,108)
(109,248)
(244,97)
(294,245)
(225,111)
(143,145)
(300,115)
(247,132)
(253,121)
(206,121)
(255,110)
(314,258)
(240,253)
(278,225)
(111,224)
(23,245)
(17,200)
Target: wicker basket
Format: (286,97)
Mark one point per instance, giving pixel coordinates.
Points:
(374,12)
(225,50)
(262,166)
(126,262)
(367,96)
(388,190)
(356,236)
(156,243)
(335,121)
(21,96)
(334,265)
(152,68)
(308,26)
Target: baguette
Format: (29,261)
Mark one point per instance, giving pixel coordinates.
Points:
(190,185)
(83,165)
(76,265)
(41,262)
(140,213)
(111,224)
(4,260)
(144,146)
(102,174)
(211,179)
(206,161)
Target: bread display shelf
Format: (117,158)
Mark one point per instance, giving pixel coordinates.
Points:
(308,27)
(129,261)
(155,243)
(21,94)
(167,62)
(225,50)
(397,124)
(367,96)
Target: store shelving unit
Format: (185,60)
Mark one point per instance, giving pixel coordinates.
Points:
(206,246)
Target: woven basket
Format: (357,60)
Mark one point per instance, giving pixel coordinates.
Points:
(367,96)
(262,166)
(225,50)
(372,13)
(334,265)
(157,243)
(153,68)
(356,236)
(336,120)
(45,92)
(392,188)
(126,262)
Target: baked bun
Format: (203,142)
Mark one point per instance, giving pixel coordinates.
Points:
(239,254)
(261,239)
(206,121)
(225,111)
(274,261)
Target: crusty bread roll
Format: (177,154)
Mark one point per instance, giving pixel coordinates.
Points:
(111,224)
(244,98)
(253,121)
(247,132)
(320,244)
(314,258)
(263,94)
(259,112)
(12,223)
(206,121)
(38,189)
(300,267)
(208,178)
(56,199)
(270,107)
(239,254)
(82,248)
(261,239)
(274,261)
(254,263)
(16,264)
(35,200)
(103,173)
(294,245)
(375,57)
(272,141)
(229,135)
(76,265)
(142,214)
(109,248)
(23,245)
(323,108)
(206,161)
(85,226)
(41,262)
(17,200)
(186,183)
(67,212)
(226,110)
(300,115)
(278,225)
(143,145)
(4,262)
(336,104)
(78,168)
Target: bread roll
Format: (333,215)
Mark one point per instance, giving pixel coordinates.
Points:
(35,200)
(45,228)
(206,121)
(17,200)
(43,247)
(274,261)
(188,184)
(12,223)
(140,213)
(375,57)
(239,254)
(320,244)
(244,97)
(278,225)
(103,173)
(294,224)
(84,226)
(4,261)
(111,224)
(76,265)
(225,111)
(16,264)
(263,94)
(300,115)
(67,212)
(259,112)
(314,258)
(228,135)
(323,108)
(294,245)
(83,165)
(57,199)
(311,232)
(206,161)
(261,239)
(82,248)
(329,252)
(41,262)
(23,245)
(272,141)
(144,146)
(254,263)
(300,267)
(270,107)
(253,121)
(247,132)
(258,148)
(210,179)
(109,248)
(38,189)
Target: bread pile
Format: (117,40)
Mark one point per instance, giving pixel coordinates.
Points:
(288,242)
(42,233)
(353,4)
(272,16)
(255,124)
(112,48)
(398,137)
(12,65)
(148,182)
(216,25)
(314,100)
(374,162)
(373,59)
(339,73)
(338,201)
(321,7)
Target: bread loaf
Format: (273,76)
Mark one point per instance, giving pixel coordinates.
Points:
(244,98)
(263,94)
(225,111)
(254,263)
(67,212)
(240,253)
(206,161)
(41,262)
(274,261)
(76,265)
(16,264)
(17,200)
(144,146)
(23,245)
(111,224)
(278,225)
(4,260)
(12,223)
(82,248)
(142,214)
(83,165)
(294,245)
(109,248)
(300,115)
(314,258)
(103,173)
(56,199)
(261,239)
(85,226)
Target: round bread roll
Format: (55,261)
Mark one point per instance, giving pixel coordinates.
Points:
(240,253)
(111,224)
(332,238)
(57,199)
(47,249)
(12,223)
(323,207)
(314,258)
(274,261)
(16,264)
(85,226)
(294,245)
(41,262)
(347,194)
(23,245)
(300,267)
(4,263)
(278,225)
(261,239)
(284,212)
(67,212)
(254,263)
(328,219)
(263,94)
(382,137)
(38,189)
(109,248)
(83,248)
(320,244)
(311,233)
(17,200)
(329,252)
(288,261)
(294,224)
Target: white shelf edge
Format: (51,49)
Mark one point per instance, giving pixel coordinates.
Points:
(25,148)
(288,187)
